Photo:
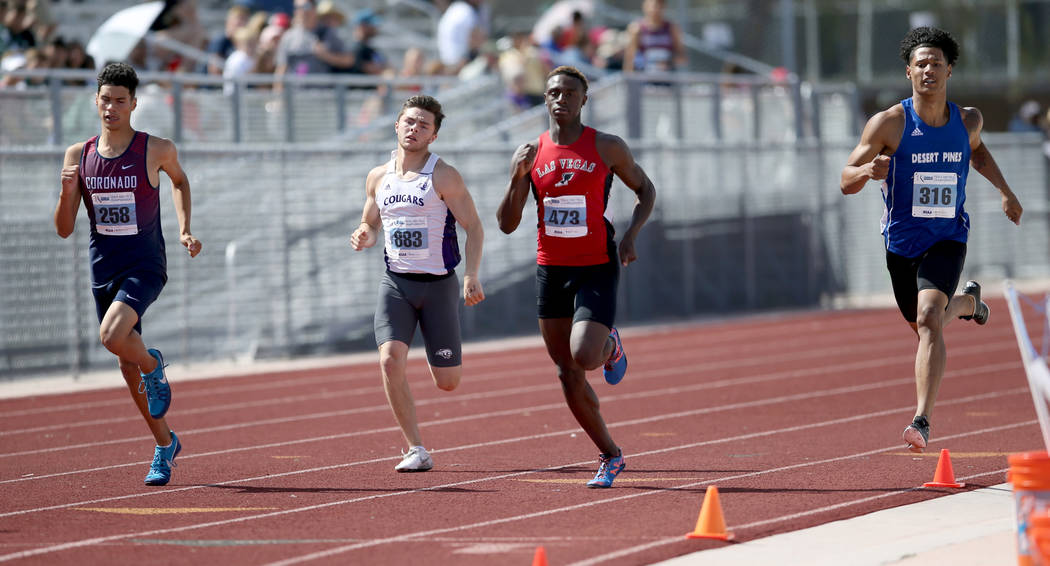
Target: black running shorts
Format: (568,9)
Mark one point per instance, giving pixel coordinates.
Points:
(585,292)
(939,267)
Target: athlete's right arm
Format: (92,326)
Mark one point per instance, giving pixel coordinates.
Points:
(870,159)
(631,49)
(367,233)
(509,212)
(69,198)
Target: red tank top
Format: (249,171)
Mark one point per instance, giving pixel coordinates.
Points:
(571,186)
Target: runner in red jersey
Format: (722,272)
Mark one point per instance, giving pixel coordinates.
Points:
(569,172)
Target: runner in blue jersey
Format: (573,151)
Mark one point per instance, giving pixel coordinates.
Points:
(117,176)
(416,198)
(922,149)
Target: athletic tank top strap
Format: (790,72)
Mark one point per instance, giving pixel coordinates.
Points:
(428,169)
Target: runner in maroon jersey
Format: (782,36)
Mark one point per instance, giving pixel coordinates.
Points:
(117,175)
(654,43)
(569,172)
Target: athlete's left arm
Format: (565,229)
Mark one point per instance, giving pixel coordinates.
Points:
(984,163)
(618,158)
(680,56)
(450,187)
(166,158)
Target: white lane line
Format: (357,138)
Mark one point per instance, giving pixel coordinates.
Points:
(408,536)
(876,362)
(673,342)
(553,406)
(99,540)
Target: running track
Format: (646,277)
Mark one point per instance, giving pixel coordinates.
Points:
(796,418)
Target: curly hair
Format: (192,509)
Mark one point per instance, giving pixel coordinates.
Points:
(569,72)
(424,102)
(929,37)
(118,74)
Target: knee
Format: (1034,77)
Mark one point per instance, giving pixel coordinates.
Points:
(391,365)
(929,319)
(110,340)
(587,360)
(447,380)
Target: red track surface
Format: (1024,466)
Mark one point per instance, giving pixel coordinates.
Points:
(796,419)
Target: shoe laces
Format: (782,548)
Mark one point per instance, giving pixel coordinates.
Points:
(148,385)
(605,464)
(615,356)
(160,463)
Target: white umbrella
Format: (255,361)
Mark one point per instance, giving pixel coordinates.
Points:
(119,34)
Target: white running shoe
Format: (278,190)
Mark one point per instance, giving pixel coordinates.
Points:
(416,460)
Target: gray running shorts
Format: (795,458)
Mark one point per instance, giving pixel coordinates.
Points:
(432,302)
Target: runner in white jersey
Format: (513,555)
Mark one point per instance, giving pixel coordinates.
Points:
(417,199)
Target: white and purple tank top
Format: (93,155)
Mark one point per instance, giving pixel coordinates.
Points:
(419,230)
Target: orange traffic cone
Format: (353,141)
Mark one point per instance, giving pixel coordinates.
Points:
(711,524)
(944,476)
(540,558)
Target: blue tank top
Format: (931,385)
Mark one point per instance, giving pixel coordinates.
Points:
(124,210)
(926,187)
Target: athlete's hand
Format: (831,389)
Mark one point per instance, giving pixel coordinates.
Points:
(70,174)
(363,237)
(1012,208)
(192,245)
(627,253)
(879,167)
(472,291)
(523,159)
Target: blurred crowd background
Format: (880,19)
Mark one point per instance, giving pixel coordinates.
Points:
(1005,59)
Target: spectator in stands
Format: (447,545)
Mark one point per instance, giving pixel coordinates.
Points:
(301,52)
(1026,119)
(42,24)
(523,71)
(460,34)
(242,60)
(609,53)
(179,21)
(569,37)
(78,57)
(221,44)
(269,39)
(367,60)
(16,33)
(654,42)
(329,18)
(57,53)
(32,58)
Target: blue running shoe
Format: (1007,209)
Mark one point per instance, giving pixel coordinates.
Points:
(616,365)
(608,469)
(155,385)
(163,462)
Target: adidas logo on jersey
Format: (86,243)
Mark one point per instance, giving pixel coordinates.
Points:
(916,132)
